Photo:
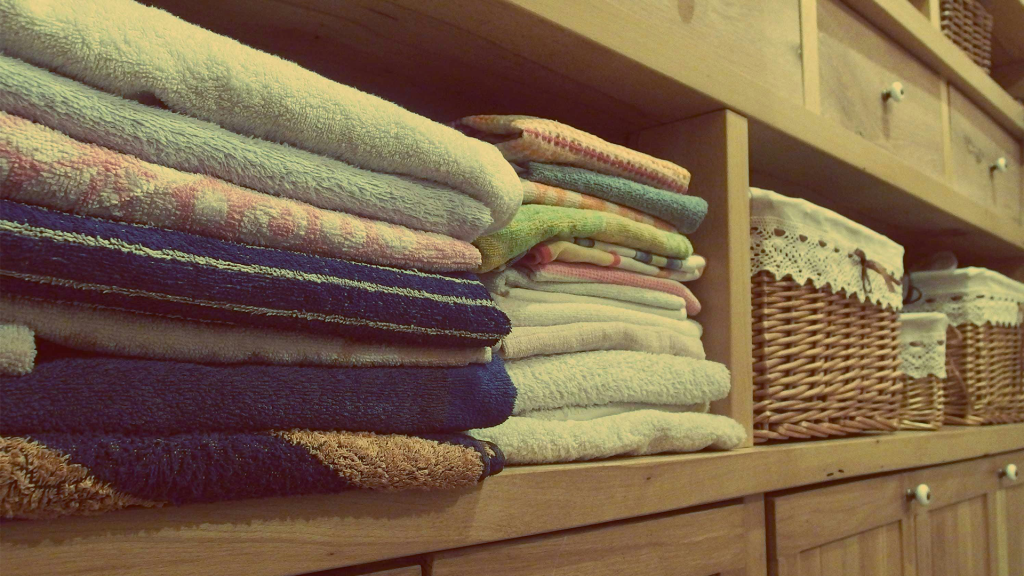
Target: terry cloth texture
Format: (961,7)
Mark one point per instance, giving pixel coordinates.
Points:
(532,441)
(535,223)
(537,193)
(528,341)
(53,475)
(43,167)
(55,256)
(80,393)
(593,412)
(522,295)
(529,139)
(605,377)
(500,282)
(562,251)
(685,212)
(133,50)
(122,333)
(17,349)
(561,272)
(177,141)
(532,314)
(694,263)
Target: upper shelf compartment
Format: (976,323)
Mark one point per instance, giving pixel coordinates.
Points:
(616,67)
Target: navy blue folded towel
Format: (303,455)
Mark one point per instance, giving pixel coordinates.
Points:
(57,256)
(72,392)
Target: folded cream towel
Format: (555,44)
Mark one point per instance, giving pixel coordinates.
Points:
(123,333)
(177,141)
(593,412)
(17,349)
(541,297)
(134,50)
(533,441)
(515,277)
(597,378)
(527,341)
(534,314)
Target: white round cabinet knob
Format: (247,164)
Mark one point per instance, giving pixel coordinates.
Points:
(896,92)
(999,165)
(922,494)
(1009,472)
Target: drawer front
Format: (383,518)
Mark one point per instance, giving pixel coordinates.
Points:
(757,41)
(978,143)
(858,63)
(697,543)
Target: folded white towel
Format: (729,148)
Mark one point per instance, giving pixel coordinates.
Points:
(526,341)
(593,412)
(609,376)
(134,50)
(539,296)
(533,441)
(534,314)
(501,282)
(17,350)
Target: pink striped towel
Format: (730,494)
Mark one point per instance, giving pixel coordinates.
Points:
(588,273)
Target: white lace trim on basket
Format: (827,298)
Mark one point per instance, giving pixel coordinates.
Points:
(785,248)
(923,341)
(793,237)
(975,310)
(970,296)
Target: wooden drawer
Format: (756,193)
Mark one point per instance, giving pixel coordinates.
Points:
(857,64)
(978,142)
(756,41)
(700,543)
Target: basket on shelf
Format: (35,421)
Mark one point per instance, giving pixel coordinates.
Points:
(923,337)
(826,297)
(985,361)
(969,25)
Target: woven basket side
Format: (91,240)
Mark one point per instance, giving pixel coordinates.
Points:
(824,364)
(969,25)
(922,406)
(984,375)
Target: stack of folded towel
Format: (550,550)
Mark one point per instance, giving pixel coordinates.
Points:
(259,287)
(591,271)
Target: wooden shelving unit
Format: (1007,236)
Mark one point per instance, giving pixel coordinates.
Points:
(732,91)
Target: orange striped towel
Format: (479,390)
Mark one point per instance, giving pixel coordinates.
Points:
(529,139)
(537,193)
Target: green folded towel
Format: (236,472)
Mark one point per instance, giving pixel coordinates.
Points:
(684,212)
(535,223)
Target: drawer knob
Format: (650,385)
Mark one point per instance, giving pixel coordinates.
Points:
(922,494)
(896,92)
(999,165)
(1009,472)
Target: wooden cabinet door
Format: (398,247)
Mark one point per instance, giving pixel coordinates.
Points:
(726,540)
(855,529)
(956,533)
(1009,513)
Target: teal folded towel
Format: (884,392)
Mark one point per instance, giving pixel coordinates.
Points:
(682,211)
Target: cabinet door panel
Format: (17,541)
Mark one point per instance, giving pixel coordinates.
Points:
(960,535)
(1013,499)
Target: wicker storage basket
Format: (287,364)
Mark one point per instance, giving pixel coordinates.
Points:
(923,337)
(985,361)
(825,304)
(969,25)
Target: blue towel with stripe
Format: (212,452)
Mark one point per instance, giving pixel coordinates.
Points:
(58,256)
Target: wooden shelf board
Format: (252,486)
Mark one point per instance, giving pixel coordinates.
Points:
(278,536)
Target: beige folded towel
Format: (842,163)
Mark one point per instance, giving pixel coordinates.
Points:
(580,413)
(535,314)
(526,341)
(134,50)
(123,333)
(541,297)
(17,350)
